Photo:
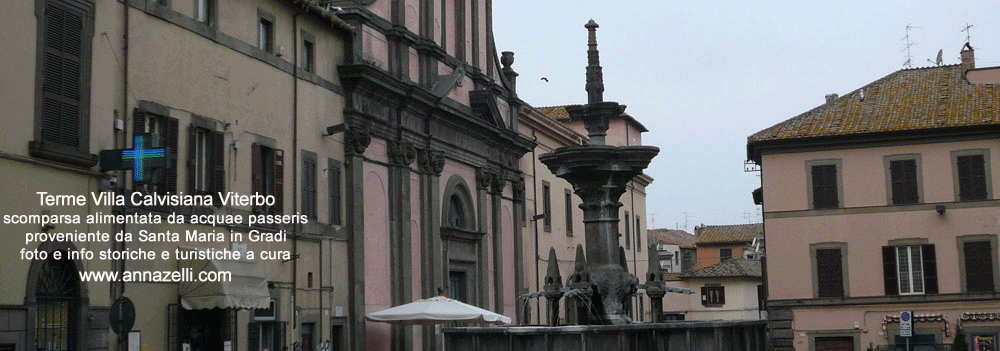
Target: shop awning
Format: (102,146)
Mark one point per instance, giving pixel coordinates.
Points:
(245,287)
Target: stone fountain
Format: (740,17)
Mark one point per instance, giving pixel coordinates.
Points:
(599,174)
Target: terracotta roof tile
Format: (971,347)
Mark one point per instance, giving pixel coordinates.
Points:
(906,100)
(719,234)
(736,267)
(559,113)
(673,237)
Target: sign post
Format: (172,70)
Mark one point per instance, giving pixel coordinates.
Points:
(906,326)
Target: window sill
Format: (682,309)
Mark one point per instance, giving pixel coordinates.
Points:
(713,305)
(61,154)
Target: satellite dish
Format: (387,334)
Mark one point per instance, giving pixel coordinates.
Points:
(939,59)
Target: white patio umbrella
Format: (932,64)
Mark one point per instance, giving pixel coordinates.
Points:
(436,310)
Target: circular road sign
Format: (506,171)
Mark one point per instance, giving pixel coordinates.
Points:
(122,316)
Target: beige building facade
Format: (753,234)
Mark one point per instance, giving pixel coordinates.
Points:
(880,201)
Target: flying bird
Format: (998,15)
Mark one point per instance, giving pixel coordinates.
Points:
(545,79)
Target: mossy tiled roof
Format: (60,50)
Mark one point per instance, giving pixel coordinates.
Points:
(906,100)
(724,234)
(736,267)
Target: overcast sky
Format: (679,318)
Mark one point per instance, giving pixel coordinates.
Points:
(704,75)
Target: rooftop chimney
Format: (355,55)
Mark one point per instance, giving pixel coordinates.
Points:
(968,57)
(831,97)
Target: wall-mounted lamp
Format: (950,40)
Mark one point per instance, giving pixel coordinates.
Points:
(339,128)
(537,217)
(940,209)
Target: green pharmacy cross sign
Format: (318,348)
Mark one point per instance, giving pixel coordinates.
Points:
(140,158)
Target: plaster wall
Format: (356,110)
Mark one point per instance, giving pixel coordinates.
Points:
(741,299)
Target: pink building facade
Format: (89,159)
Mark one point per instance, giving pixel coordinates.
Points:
(881,201)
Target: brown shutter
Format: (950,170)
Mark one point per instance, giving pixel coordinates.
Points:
(192,163)
(218,176)
(824,178)
(979,266)
(722,295)
(830,273)
(62,80)
(930,269)
(971,178)
(170,174)
(279,181)
(256,186)
(334,180)
(704,295)
(889,270)
(138,124)
(903,175)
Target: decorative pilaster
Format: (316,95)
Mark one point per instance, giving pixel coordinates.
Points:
(356,140)
(432,271)
(400,156)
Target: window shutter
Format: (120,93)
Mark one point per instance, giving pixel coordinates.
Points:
(138,122)
(280,335)
(704,295)
(62,82)
(192,162)
(334,179)
(824,179)
(218,175)
(971,178)
(978,175)
(904,181)
(830,273)
(170,174)
(979,266)
(279,181)
(930,269)
(722,295)
(889,270)
(257,185)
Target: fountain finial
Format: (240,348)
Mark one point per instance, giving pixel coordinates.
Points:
(595,77)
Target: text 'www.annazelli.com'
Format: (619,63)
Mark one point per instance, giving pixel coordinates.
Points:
(183,275)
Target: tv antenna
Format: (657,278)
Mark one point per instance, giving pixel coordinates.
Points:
(909,58)
(968,32)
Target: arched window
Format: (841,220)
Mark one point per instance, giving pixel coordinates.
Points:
(456,212)
(57,297)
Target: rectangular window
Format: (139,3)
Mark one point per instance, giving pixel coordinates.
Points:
(628,233)
(971,177)
(457,281)
(824,186)
(308,52)
(200,160)
(547,206)
(62,118)
(978,266)
(903,175)
(569,212)
(206,153)
(725,254)
(638,234)
(829,273)
(265,31)
(334,178)
(266,335)
(910,269)
(713,295)
(267,167)
(309,186)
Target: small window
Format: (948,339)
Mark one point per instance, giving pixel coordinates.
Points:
(978,266)
(309,280)
(200,160)
(628,233)
(265,28)
(547,206)
(725,254)
(569,212)
(904,182)
(713,295)
(972,178)
(829,273)
(638,234)
(308,53)
(309,185)
(267,168)
(824,186)
(335,184)
(910,269)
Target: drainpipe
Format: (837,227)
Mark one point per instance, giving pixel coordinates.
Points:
(635,262)
(296,228)
(534,201)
